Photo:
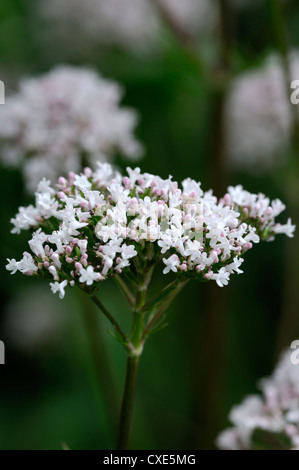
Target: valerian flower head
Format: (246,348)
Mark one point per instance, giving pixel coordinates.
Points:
(62,119)
(271,418)
(259,116)
(96,224)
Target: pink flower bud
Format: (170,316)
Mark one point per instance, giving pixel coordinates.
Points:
(71,176)
(127,182)
(62,181)
(61,195)
(88,172)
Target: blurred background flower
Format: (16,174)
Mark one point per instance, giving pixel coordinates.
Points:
(270,420)
(64,120)
(259,116)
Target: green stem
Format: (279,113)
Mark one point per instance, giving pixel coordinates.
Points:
(110,317)
(159,298)
(136,344)
(127,403)
(153,321)
(138,318)
(124,288)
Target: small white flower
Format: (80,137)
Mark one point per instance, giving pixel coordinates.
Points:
(221,278)
(171,263)
(288,229)
(26,265)
(128,252)
(59,287)
(234,266)
(26,218)
(82,183)
(53,271)
(37,241)
(88,276)
(12,265)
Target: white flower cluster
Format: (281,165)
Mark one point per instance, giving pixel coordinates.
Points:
(95,223)
(259,116)
(276,411)
(66,117)
(130,24)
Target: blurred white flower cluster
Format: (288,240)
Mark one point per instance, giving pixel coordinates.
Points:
(95,223)
(130,24)
(63,119)
(259,116)
(276,412)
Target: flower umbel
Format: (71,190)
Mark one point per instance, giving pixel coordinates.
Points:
(94,225)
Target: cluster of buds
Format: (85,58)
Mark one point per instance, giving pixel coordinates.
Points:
(99,224)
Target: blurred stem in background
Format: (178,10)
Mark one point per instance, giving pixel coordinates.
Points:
(105,382)
(183,36)
(222,71)
(288,328)
(217,76)
(213,345)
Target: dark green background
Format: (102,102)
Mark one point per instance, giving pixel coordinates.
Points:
(218,343)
